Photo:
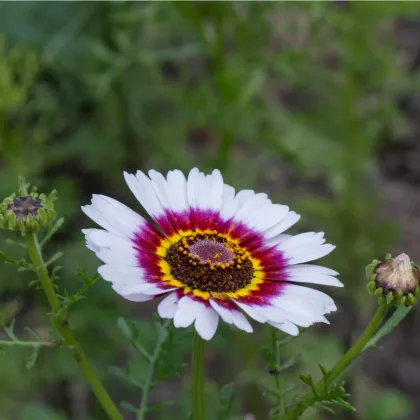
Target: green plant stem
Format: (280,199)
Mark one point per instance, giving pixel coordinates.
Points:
(197,367)
(345,361)
(276,367)
(12,343)
(63,327)
(153,359)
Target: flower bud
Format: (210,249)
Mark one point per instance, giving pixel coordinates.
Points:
(27,212)
(394,280)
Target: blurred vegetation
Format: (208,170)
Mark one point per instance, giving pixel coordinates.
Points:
(290,98)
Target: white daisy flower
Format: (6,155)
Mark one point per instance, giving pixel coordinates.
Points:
(213,254)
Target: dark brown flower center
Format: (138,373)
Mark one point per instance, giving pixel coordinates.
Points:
(210,263)
(24,206)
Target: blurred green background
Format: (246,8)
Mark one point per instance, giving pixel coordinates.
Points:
(315,103)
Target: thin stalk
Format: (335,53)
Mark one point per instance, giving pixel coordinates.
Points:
(12,343)
(197,367)
(152,359)
(345,361)
(276,368)
(65,331)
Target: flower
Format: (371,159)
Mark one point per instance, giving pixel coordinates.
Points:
(212,254)
(395,278)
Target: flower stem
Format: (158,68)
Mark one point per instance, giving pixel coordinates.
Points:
(19,343)
(62,326)
(345,361)
(197,366)
(153,360)
(276,368)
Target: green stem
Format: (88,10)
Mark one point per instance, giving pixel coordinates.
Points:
(12,343)
(153,359)
(65,331)
(197,367)
(345,361)
(276,368)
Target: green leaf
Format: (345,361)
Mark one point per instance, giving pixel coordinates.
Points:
(289,363)
(52,231)
(400,313)
(226,398)
(128,407)
(33,357)
(125,375)
(132,333)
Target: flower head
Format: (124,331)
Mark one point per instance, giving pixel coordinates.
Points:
(27,211)
(213,253)
(395,278)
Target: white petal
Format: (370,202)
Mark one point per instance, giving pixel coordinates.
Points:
(109,247)
(142,188)
(271,215)
(113,216)
(252,311)
(158,182)
(305,247)
(186,312)
(177,191)
(228,195)
(286,326)
(138,297)
(205,191)
(231,316)
(300,311)
(277,239)
(259,213)
(121,273)
(206,322)
(168,306)
(279,315)
(306,273)
(311,297)
(287,221)
(89,243)
(232,205)
(130,288)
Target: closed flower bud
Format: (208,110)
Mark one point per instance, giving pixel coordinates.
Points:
(395,280)
(27,212)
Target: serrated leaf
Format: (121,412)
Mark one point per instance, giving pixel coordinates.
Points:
(286,340)
(10,331)
(128,407)
(6,258)
(289,363)
(52,231)
(325,407)
(34,333)
(126,376)
(33,358)
(307,379)
(325,376)
(399,314)
(124,327)
(343,404)
(54,258)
